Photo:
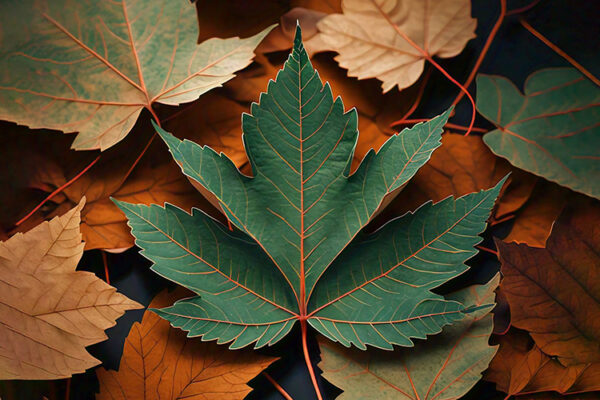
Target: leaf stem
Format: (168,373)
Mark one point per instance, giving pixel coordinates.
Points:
(105,262)
(523,9)
(68,389)
(277,386)
(417,100)
(429,58)
(484,51)
(57,191)
(309,365)
(561,53)
(494,252)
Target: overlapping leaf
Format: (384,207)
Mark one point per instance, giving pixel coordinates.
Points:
(49,312)
(550,130)
(160,363)
(521,368)
(553,292)
(463,164)
(443,368)
(373,37)
(91,67)
(295,254)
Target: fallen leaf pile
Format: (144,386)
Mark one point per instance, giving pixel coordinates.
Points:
(290,189)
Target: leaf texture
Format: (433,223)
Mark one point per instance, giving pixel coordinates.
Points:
(160,363)
(521,368)
(301,212)
(549,130)
(49,312)
(442,368)
(370,36)
(91,67)
(553,291)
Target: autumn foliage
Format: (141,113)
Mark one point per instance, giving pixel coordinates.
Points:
(351,199)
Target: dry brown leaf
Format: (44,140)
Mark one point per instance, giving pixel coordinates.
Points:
(534,221)
(553,291)
(369,36)
(520,367)
(213,120)
(463,164)
(48,311)
(159,362)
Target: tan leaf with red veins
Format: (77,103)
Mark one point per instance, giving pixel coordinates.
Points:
(160,362)
(49,312)
(554,292)
(374,38)
(520,368)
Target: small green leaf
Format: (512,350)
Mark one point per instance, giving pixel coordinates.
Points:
(552,130)
(298,253)
(91,66)
(444,367)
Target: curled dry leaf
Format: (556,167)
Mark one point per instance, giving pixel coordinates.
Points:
(92,67)
(371,36)
(444,367)
(553,291)
(550,130)
(49,312)
(161,363)
(521,369)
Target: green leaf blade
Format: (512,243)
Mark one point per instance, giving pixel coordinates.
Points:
(550,130)
(393,271)
(444,367)
(234,280)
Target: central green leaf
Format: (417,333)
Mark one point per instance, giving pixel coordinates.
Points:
(298,252)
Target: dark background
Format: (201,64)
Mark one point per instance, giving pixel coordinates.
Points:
(570,24)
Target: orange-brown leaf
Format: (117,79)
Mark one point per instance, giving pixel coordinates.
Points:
(49,312)
(520,367)
(463,164)
(160,362)
(553,292)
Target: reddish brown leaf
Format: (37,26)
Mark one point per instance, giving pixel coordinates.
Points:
(463,164)
(520,367)
(159,362)
(553,292)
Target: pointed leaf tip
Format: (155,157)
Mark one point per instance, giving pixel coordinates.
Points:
(298,37)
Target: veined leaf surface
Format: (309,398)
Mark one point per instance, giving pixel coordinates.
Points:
(296,254)
(550,130)
(92,66)
(443,368)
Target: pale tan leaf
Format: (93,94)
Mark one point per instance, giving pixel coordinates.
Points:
(370,36)
(48,311)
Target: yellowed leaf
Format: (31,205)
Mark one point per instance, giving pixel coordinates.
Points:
(48,311)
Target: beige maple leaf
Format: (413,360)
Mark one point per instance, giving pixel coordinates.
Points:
(391,39)
(48,311)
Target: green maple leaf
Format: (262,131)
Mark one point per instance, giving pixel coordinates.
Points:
(298,253)
(444,367)
(551,130)
(92,66)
